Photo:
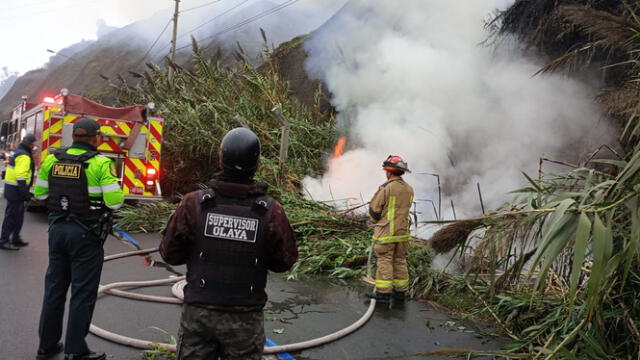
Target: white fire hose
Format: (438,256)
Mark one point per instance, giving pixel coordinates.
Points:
(177,291)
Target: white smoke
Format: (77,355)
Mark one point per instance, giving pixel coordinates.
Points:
(231,22)
(411,78)
(103,29)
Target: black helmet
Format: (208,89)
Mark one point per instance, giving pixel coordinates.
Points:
(240,151)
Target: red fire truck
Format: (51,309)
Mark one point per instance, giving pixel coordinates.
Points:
(132,136)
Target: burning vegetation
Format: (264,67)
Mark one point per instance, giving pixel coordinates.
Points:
(338,150)
(556,269)
(196,105)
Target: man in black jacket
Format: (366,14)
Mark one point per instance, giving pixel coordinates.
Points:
(229,236)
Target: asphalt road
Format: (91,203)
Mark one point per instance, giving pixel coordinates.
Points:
(297,310)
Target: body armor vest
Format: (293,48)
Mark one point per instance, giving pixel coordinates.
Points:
(227,265)
(68,187)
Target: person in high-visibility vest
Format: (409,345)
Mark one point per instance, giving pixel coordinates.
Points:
(6,155)
(81,188)
(390,209)
(17,181)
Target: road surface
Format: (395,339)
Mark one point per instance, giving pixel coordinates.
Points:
(297,310)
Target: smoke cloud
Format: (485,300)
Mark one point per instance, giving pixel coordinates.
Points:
(233,22)
(411,78)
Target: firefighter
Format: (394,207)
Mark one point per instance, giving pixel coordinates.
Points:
(81,189)
(228,236)
(17,181)
(390,209)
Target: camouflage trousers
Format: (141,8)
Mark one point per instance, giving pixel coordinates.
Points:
(207,334)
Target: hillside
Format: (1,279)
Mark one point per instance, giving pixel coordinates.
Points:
(116,54)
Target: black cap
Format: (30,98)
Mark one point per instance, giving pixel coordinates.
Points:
(90,127)
(29,139)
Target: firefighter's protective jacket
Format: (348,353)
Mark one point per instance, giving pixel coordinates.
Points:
(390,207)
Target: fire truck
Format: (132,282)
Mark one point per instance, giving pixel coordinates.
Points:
(132,136)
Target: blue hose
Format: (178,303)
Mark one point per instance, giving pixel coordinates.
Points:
(282,356)
(126,236)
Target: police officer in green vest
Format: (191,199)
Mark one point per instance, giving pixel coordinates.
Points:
(81,189)
(17,181)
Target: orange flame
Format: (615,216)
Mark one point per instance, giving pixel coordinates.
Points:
(339,149)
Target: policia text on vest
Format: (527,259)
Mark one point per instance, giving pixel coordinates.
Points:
(70,171)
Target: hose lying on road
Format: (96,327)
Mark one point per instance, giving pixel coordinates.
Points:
(177,291)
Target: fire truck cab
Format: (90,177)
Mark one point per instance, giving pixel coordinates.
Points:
(132,137)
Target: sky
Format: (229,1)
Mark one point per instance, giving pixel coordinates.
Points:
(29,27)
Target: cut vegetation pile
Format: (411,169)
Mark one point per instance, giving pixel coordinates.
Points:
(201,104)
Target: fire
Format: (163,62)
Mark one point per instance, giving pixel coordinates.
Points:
(339,149)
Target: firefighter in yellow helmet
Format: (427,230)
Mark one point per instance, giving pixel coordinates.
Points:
(390,209)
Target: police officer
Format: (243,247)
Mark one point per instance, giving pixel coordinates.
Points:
(17,181)
(229,236)
(390,209)
(81,189)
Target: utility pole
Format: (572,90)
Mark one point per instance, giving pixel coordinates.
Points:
(284,140)
(175,31)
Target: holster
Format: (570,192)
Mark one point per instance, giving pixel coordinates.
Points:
(102,229)
(105,226)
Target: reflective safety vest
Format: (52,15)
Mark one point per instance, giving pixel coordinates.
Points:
(228,263)
(393,202)
(20,167)
(101,183)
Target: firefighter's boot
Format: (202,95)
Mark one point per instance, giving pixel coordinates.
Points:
(398,296)
(380,297)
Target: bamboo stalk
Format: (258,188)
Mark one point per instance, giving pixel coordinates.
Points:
(567,339)
(481,201)
(502,325)
(453,208)
(242,121)
(535,211)
(354,208)
(631,323)
(546,345)
(493,216)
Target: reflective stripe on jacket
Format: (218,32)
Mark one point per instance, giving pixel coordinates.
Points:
(392,201)
(19,170)
(100,180)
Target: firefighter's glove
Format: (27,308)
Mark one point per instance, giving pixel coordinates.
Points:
(375,215)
